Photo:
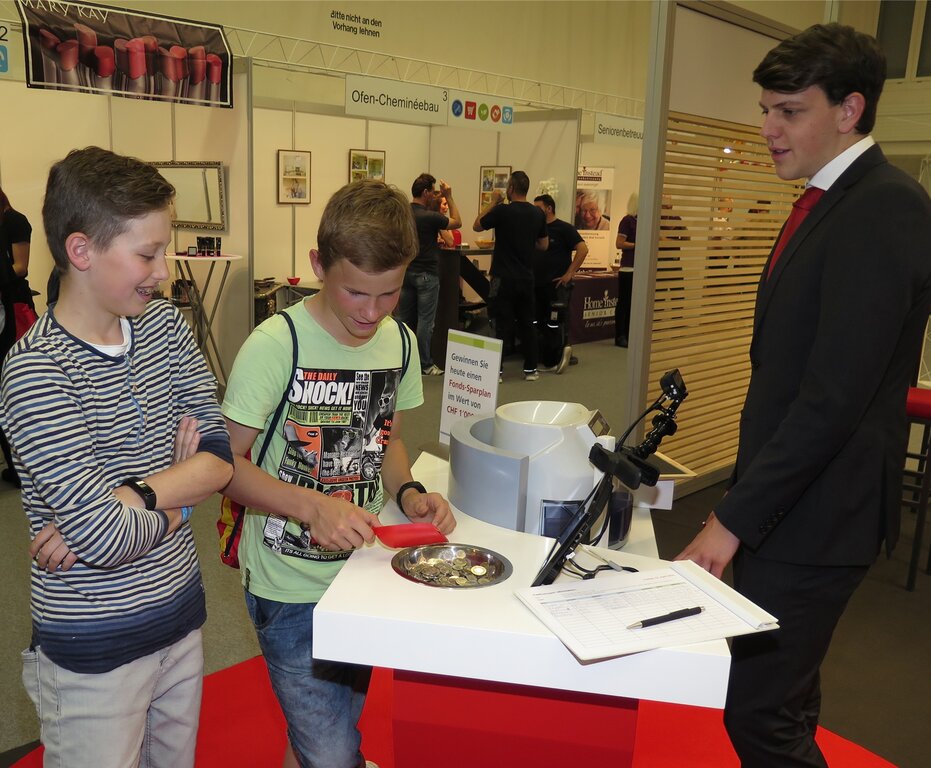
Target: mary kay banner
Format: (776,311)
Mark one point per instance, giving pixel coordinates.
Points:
(97,49)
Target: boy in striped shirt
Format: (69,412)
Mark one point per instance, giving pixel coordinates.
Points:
(112,415)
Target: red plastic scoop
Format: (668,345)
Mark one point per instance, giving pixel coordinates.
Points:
(409,535)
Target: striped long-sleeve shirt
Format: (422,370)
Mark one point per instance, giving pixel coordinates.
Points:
(80,422)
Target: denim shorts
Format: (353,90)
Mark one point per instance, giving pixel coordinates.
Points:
(321,700)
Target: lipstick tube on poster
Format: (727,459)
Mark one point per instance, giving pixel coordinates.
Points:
(68,64)
(181,68)
(168,74)
(135,76)
(87,42)
(104,67)
(151,62)
(48,44)
(122,63)
(214,76)
(197,63)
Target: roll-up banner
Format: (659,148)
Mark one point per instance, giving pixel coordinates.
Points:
(593,219)
(94,48)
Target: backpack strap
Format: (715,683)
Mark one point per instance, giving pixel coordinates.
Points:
(284,396)
(405,347)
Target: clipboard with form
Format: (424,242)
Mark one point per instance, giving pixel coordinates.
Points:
(594,619)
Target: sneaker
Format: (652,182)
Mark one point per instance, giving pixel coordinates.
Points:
(573,360)
(433,370)
(531,376)
(564,360)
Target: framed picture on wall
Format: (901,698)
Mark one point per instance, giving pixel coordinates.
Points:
(293,177)
(491,178)
(366,164)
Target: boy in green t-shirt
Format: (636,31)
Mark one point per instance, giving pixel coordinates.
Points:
(316,496)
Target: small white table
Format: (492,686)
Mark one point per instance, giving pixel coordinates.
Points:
(469,657)
(202,312)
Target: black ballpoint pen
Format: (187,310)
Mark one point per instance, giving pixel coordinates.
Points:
(680,614)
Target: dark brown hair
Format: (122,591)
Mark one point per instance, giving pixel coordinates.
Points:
(547,200)
(421,184)
(836,58)
(520,182)
(98,192)
(370,224)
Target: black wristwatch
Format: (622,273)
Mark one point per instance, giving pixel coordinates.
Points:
(405,487)
(144,490)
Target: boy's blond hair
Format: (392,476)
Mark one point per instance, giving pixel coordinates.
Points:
(370,224)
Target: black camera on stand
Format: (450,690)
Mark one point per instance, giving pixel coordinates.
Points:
(628,464)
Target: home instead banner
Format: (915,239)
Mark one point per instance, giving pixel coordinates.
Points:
(97,49)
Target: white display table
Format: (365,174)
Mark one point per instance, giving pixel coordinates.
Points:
(453,639)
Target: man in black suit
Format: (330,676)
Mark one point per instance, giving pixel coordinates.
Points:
(840,316)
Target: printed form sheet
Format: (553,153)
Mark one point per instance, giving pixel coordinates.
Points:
(592,618)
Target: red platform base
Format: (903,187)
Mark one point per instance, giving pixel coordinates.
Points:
(241,726)
(468,721)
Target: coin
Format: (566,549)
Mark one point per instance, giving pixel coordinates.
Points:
(479,570)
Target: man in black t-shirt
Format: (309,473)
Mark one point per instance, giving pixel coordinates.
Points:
(553,273)
(520,233)
(421,289)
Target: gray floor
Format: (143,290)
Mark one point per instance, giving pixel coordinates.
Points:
(875,677)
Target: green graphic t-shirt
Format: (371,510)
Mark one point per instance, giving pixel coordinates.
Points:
(331,437)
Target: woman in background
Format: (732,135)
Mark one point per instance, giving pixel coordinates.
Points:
(15,234)
(447,238)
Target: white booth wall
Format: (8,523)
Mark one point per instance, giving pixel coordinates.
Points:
(544,144)
(48,124)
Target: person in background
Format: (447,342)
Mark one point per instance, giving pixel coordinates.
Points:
(421,290)
(520,231)
(553,273)
(112,415)
(309,511)
(589,211)
(626,242)
(15,236)
(817,483)
(447,238)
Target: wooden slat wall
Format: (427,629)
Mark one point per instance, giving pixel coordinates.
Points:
(731,206)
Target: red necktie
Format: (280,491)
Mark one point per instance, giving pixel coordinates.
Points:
(800,209)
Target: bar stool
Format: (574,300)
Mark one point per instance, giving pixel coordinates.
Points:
(917,482)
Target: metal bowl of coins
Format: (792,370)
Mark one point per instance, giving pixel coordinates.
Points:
(455,566)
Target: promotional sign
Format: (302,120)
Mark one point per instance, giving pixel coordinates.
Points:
(470,385)
(594,187)
(612,129)
(476,110)
(92,48)
(393,100)
(591,307)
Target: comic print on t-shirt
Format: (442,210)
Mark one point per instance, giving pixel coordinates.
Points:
(336,425)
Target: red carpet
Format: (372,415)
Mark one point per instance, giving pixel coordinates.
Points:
(242,727)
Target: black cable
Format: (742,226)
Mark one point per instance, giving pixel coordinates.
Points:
(620,441)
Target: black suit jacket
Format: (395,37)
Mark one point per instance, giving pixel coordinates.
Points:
(837,337)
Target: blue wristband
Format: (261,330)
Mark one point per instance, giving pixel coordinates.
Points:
(186,513)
